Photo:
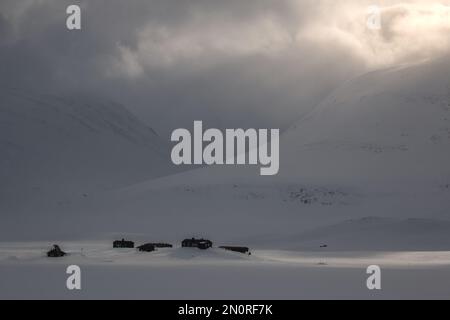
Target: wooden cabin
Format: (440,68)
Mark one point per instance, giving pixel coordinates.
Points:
(197,243)
(123,244)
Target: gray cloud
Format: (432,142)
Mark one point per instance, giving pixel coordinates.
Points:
(259,63)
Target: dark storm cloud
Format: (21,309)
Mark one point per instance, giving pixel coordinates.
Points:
(231,63)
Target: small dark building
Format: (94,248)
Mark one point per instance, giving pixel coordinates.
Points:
(56,252)
(236,249)
(148,247)
(123,244)
(197,243)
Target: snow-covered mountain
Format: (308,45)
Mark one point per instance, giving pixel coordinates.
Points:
(54,147)
(377,147)
(389,126)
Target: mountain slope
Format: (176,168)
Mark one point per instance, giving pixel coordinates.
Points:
(65,146)
(390,125)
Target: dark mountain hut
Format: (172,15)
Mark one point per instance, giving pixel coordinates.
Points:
(197,243)
(123,244)
(56,252)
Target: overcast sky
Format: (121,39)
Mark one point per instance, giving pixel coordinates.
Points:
(233,63)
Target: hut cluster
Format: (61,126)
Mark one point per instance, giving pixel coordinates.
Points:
(202,244)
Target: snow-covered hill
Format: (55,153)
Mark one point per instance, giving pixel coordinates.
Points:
(374,234)
(388,126)
(54,147)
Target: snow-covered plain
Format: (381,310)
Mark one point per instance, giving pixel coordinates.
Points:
(182,273)
(365,174)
